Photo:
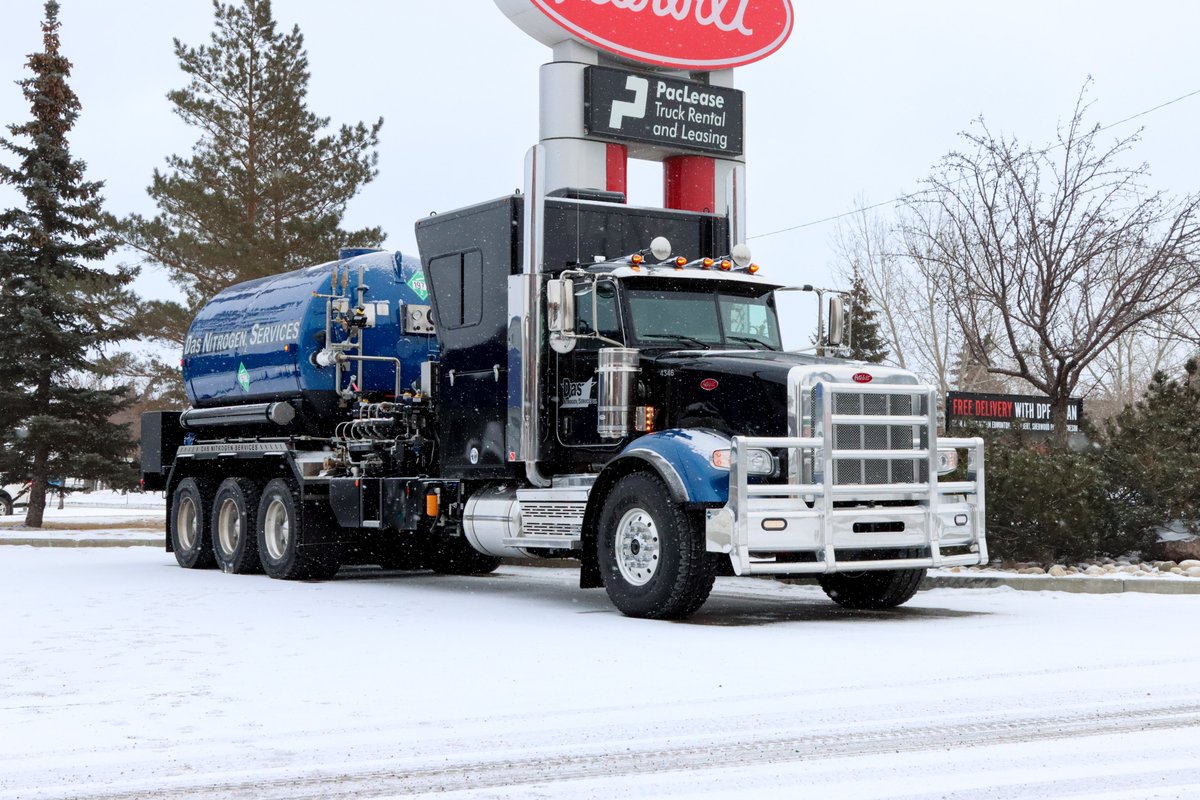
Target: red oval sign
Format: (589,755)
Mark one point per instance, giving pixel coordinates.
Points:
(708,384)
(685,34)
(862,377)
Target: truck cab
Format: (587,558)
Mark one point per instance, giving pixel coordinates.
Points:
(639,395)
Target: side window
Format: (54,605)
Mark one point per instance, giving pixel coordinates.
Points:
(458,288)
(608,322)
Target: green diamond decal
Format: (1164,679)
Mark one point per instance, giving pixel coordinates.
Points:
(417,283)
(243,377)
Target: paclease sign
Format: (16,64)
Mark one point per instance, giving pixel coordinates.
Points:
(685,34)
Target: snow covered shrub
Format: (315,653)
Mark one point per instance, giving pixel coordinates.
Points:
(1151,456)
(1045,505)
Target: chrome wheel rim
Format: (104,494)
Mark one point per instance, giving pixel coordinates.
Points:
(637,547)
(276,529)
(229,527)
(186,519)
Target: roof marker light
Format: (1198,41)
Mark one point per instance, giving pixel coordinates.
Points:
(706,263)
(726,265)
(752,269)
(680,262)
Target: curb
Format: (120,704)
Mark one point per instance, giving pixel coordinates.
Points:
(1087,585)
(85,542)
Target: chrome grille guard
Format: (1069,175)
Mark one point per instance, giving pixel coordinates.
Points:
(793,527)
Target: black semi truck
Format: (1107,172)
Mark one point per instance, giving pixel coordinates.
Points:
(555,376)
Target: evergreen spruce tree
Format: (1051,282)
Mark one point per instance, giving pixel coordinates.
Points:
(265,188)
(56,312)
(867,342)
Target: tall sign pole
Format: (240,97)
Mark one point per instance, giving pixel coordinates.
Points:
(652,80)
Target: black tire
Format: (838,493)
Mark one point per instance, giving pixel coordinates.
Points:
(453,555)
(872,590)
(6,504)
(651,552)
(282,547)
(188,525)
(234,522)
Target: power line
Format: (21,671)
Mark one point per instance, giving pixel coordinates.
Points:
(896,200)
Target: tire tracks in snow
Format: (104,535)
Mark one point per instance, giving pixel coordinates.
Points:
(564,767)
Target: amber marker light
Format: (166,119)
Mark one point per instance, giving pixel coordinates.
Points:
(727,265)
(680,262)
(752,269)
(636,259)
(706,263)
(431,505)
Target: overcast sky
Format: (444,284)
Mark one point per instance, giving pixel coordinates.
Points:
(861,102)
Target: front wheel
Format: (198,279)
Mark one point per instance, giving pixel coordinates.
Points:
(651,552)
(872,590)
(6,505)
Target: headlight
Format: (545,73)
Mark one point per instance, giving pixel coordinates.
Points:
(755,461)
(947,461)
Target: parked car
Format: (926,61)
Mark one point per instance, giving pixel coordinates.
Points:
(15,495)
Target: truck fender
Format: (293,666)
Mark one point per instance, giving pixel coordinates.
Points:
(681,458)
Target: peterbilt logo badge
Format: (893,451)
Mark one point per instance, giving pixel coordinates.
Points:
(708,384)
(685,34)
(862,377)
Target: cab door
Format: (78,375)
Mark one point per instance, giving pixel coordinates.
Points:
(576,388)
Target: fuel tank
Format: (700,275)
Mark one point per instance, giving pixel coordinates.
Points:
(256,342)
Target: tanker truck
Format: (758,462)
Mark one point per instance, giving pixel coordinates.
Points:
(561,376)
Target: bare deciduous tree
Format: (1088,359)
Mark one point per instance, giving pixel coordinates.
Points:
(1056,253)
(913,315)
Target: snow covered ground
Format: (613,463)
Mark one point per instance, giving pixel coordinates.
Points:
(123,676)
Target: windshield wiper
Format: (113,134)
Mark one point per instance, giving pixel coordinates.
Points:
(749,340)
(679,337)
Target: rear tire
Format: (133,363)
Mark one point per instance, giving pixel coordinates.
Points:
(873,590)
(189,529)
(651,552)
(6,505)
(282,549)
(235,526)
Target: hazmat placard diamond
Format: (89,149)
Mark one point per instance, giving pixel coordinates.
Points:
(243,378)
(417,284)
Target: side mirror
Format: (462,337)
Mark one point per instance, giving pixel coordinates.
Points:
(560,305)
(837,321)
(560,314)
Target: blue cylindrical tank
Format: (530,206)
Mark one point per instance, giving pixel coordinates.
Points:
(256,341)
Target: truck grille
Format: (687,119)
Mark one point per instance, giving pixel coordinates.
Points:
(847,436)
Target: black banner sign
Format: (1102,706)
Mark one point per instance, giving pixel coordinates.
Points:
(1030,412)
(627,106)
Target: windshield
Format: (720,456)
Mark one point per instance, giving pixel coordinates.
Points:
(709,317)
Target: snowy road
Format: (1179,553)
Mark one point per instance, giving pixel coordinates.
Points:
(122,676)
